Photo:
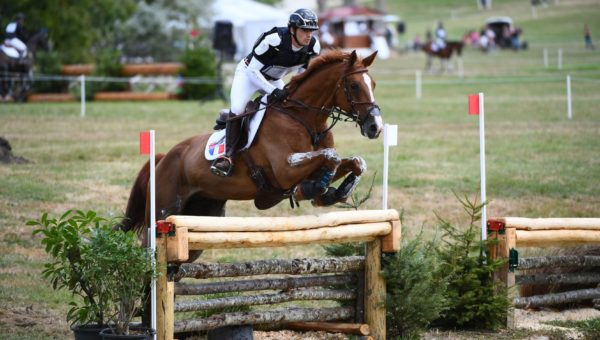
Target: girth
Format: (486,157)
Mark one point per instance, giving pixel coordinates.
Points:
(267,195)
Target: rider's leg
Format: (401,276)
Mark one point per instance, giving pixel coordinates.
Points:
(241,91)
(20,46)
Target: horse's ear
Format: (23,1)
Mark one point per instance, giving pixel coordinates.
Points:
(369,60)
(353,57)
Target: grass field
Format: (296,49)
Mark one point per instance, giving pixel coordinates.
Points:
(539,164)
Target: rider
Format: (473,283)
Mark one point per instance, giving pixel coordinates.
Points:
(440,36)
(15,34)
(275,54)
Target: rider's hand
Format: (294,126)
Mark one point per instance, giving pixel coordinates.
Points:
(279,95)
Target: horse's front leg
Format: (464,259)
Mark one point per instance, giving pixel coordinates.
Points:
(320,168)
(351,168)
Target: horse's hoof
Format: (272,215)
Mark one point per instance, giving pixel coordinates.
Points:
(347,187)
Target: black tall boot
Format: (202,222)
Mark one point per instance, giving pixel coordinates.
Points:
(223,165)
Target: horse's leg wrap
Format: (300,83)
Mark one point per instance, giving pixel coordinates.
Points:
(310,189)
(347,187)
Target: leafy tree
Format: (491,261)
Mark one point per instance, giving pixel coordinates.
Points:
(75,27)
(160,29)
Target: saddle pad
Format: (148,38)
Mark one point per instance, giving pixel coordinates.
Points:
(215,146)
(10,51)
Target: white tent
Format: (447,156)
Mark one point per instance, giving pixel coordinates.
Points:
(249,19)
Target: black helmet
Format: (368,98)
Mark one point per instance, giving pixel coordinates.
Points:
(304,18)
(19,17)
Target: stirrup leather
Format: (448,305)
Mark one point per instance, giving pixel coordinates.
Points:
(221,172)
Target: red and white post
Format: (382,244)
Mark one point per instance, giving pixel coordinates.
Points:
(147,148)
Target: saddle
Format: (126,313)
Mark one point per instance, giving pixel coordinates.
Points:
(267,195)
(251,107)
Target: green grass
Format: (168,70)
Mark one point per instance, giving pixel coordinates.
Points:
(539,164)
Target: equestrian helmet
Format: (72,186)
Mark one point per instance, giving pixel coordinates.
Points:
(304,18)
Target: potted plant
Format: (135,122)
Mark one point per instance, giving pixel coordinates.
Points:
(67,241)
(126,270)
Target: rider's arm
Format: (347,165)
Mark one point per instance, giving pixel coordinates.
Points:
(257,78)
(260,55)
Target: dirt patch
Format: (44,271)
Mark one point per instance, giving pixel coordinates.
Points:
(6,156)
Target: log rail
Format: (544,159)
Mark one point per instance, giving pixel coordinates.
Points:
(514,233)
(336,279)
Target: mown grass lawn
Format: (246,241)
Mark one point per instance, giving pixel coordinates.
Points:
(539,164)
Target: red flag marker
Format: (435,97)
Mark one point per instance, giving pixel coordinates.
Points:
(473,104)
(145,143)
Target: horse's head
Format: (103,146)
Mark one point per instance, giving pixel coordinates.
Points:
(357,99)
(38,40)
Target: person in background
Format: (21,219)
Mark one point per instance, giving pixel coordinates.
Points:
(15,34)
(276,53)
(587,35)
(440,36)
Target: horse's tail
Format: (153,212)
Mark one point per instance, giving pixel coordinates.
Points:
(135,214)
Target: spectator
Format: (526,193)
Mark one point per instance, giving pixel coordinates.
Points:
(587,35)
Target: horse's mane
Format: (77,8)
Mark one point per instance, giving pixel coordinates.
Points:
(316,64)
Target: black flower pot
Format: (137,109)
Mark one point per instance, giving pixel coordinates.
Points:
(137,333)
(87,332)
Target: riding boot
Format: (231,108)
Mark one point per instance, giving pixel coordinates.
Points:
(223,165)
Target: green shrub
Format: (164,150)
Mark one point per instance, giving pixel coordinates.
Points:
(72,261)
(475,300)
(415,293)
(199,62)
(48,63)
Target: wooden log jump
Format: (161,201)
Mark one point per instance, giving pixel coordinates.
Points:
(132,96)
(517,232)
(379,228)
(127,69)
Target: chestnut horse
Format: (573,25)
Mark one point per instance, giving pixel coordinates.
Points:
(444,54)
(292,156)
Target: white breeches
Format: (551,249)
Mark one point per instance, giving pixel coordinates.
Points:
(243,88)
(18,44)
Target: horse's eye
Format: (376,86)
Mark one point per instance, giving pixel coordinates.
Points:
(354,87)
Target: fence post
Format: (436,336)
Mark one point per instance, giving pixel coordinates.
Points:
(374,290)
(507,242)
(82,80)
(569,103)
(165,293)
(559,59)
(418,84)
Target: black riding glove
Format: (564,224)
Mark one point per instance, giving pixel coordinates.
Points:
(278,95)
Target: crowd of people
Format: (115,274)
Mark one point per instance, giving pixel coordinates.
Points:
(488,40)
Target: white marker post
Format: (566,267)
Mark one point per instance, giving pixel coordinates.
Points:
(569,107)
(545,58)
(390,138)
(418,84)
(476,107)
(559,59)
(147,148)
(82,80)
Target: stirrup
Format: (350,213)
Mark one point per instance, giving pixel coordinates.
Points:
(220,172)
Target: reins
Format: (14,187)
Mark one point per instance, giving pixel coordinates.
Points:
(334,112)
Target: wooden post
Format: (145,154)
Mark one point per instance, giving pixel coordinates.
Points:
(507,242)
(391,242)
(165,293)
(374,291)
